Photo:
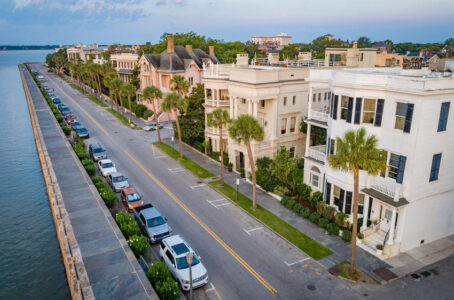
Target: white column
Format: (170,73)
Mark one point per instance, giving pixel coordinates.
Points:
(309,105)
(255,109)
(231,107)
(391,229)
(365,210)
(236,106)
(249,107)
(308,138)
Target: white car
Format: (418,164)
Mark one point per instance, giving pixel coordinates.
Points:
(173,251)
(106,166)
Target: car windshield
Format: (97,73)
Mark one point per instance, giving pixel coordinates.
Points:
(156,222)
(65,109)
(98,150)
(82,130)
(133,197)
(119,179)
(107,165)
(76,124)
(182,263)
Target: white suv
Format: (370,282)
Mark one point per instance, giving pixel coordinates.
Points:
(106,166)
(173,251)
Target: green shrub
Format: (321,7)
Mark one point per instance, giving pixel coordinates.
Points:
(90,169)
(65,128)
(123,217)
(340,218)
(109,197)
(82,155)
(139,244)
(87,162)
(316,198)
(304,192)
(329,212)
(140,110)
(314,217)
(168,290)
(96,180)
(320,207)
(333,228)
(379,247)
(129,228)
(265,180)
(100,186)
(347,235)
(281,191)
(285,200)
(290,204)
(147,114)
(323,222)
(263,163)
(59,118)
(360,235)
(305,212)
(158,272)
(297,208)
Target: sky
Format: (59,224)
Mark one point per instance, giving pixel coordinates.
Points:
(39,22)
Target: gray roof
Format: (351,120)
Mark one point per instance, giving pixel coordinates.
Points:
(385,198)
(179,60)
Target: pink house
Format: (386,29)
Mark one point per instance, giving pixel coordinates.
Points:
(158,69)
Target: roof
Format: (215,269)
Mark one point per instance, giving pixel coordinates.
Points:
(129,190)
(385,198)
(125,71)
(179,60)
(150,213)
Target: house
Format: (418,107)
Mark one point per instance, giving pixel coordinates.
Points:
(83,53)
(351,57)
(410,112)
(441,64)
(158,69)
(382,46)
(390,60)
(276,96)
(272,41)
(124,63)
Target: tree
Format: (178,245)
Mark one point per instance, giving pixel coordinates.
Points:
(172,103)
(134,77)
(244,129)
(179,85)
(284,168)
(152,94)
(219,118)
(115,85)
(363,42)
(128,90)
(108,78)
(289,52)
(355,152)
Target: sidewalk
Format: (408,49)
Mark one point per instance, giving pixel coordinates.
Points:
(341,250)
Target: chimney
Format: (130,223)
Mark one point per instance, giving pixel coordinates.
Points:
(211,50)
(189,48)
(355,45)
(170,45)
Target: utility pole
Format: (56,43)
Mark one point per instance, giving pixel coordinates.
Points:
(189,260)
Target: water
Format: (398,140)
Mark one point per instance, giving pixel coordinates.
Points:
(30,260)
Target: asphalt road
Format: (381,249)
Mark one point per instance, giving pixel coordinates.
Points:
(244,259)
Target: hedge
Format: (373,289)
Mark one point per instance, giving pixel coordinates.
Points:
(90,169)
(140,110)
(297,208)
(168,290)
(333,228)
(138,243)
(314,217)
(109,197)
(347,235)
(305,212)
(323,222)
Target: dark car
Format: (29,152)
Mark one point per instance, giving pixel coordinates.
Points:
(65,111)
(56,100)
(82,132)
(60,106)
(96,152)
(75,124)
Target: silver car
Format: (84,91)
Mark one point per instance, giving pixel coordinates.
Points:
(117,181)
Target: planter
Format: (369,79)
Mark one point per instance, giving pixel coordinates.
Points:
(379,252)
(340,233)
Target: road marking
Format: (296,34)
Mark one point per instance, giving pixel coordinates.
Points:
(196,186)
(222,202)
(204,226)
(75,102)
(154,153)
(296,262)
(253,229)
(176,170)
(213,289)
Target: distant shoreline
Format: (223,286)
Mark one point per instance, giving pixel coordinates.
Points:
(17,48)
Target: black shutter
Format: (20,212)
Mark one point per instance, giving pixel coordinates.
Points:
(331,105)
(408,117)
(328,148)
(336,99)
(379,112)
(369,211)
(328,193)
(341,200)
(444,112)
(332,145)
(348,203)
(349,109)
(358,110)
(400,171)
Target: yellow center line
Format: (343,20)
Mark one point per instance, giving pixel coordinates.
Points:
(204,226)
(80,107)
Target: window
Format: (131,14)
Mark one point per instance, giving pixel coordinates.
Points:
(283,125)
(191,81)
(404,114)
(243,100)
(361,58)
(369,110)
(393,165)
(315,177)
(169,255)
(324,96)
(435,167)
(292,124)
(262,103)
(319,97)
(336,195)
(294,100)
(292,151)
(443,120)
(344,107)
(360,204)
(285,101)
(314,97)
(209,94)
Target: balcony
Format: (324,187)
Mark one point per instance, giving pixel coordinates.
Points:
(215,131)
(217,103)
(317,152)
(387,186)
(319,118)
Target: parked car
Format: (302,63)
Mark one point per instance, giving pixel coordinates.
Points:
(46,88)
(56,100)
(130,198)
(75,125)
(173,251)
(69,116)
(153,225)
(152,126)
(106,166)
(96,151)
(40,77)
(117,181)
(71,120)
(65,111)
(60,106)
(50,93)
(82,132)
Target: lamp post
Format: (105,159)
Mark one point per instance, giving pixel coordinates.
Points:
(189,260)
(237,185)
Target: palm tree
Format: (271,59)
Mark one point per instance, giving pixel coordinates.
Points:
(355,152)
(128,90)
(152,94)
(115,85)
(107,80)
(172,103)
(244,129)
(219,118)
(179,85)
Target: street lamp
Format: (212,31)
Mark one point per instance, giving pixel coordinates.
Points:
(189,257)
(237,184)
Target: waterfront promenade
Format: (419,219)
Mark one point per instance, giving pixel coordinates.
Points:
(105,266)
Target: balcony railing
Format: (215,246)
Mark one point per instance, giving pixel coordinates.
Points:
(264,145)
(211,102)
(319,116)
(317,152)
(387,186)
(215,131)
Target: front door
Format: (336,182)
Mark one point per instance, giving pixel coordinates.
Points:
(386,223)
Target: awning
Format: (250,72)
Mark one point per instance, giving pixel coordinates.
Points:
(385,198)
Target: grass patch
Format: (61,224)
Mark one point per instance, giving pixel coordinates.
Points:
(97,101)
(357,276)
(123,120)
(290,233)
(78,88)
(185,162)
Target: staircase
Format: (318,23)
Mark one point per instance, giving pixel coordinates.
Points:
(371,241)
